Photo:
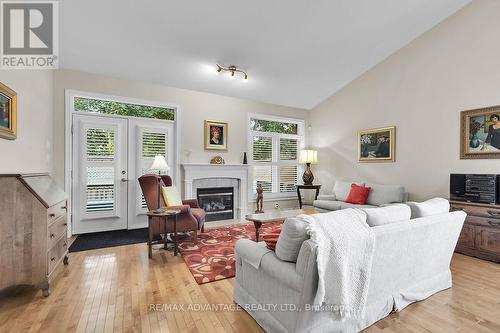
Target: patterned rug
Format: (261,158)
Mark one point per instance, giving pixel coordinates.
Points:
(212,258)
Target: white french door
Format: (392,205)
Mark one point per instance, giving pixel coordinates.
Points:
(109,155)
(147,139)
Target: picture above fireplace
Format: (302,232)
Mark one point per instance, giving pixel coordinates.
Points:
(218,202)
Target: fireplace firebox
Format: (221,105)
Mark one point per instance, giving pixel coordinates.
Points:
(218,202)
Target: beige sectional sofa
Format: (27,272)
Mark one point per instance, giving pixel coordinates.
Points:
(411,262)
(380,195)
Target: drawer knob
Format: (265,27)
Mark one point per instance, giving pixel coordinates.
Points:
(53,259)
(65,224)
(495,223)
(52,215)
(494,213)
(52,235)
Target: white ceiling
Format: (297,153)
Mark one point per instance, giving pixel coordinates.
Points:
(297,53)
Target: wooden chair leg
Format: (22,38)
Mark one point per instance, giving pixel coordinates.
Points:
(195,236)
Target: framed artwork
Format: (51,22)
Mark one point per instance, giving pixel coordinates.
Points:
(377,144)
(215,135)
(480,133)
(8,113)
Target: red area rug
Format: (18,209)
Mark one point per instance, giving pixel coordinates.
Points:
(212,258)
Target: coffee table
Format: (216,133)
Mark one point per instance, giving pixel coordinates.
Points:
(275,216)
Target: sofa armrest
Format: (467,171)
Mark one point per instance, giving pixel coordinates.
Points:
(270,264)
(193,203)
(330,197)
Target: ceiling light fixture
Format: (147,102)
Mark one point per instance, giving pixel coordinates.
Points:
(232,70)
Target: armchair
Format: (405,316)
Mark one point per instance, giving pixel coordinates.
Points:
(192,217)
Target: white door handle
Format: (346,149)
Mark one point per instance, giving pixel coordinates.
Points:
(124,180)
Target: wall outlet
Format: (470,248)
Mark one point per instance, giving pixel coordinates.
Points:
(276,205)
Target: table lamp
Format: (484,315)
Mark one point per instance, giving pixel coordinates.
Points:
(160,165)
(308,157)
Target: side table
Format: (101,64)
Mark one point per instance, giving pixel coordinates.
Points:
(308,187)
(164,215)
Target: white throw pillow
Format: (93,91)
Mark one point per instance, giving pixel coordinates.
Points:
(385,194)
(342,189)
(293,234)
(430,207)
(386,215)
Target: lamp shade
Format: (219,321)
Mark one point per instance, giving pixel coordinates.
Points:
(160,164)
(308,156)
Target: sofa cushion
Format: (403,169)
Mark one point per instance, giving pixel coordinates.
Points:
(430,207)
(384,194)
(358,194)
(342,189)
(345,205)
(330,197)
(328,204)
(293,234)
(386,215)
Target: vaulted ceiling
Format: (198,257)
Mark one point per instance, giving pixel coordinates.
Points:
(297,53)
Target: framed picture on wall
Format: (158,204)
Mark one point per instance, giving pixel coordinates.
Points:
(215,135)
(8,113)
(377,144)
(480,133)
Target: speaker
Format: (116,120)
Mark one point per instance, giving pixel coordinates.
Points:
(457,187)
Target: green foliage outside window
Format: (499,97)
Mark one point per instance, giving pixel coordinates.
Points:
(273,126)
(123,109)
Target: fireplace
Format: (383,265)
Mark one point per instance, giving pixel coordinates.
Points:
(218,202)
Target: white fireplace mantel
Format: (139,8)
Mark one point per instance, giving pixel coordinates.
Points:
(198,171)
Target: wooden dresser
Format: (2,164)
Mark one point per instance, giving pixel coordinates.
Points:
(33,231)
(480,235)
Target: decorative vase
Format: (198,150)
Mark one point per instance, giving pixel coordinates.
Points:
(245,158)
(308,176)
(474,141)
(364,150)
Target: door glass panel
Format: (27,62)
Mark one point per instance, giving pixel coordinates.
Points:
(100,144)
(153,142)
(100,171)
(100,189)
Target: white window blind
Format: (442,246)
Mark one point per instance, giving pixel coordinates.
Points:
(274,144)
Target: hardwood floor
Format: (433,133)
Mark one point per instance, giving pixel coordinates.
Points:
(110,290)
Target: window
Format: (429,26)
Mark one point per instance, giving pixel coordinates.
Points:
(122,109)
(274,145)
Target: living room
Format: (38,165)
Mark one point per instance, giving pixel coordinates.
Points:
(153,168)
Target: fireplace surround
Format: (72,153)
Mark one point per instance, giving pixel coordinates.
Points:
(203,176)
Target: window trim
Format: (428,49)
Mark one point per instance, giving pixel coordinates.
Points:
(276,163)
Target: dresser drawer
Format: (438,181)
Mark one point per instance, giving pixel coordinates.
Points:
(56,253)
(490,212)
(56,211)
(488,239)
(483,221)
(56,230)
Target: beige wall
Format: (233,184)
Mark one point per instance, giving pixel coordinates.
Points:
(421,89)
(195,107)
(32,150)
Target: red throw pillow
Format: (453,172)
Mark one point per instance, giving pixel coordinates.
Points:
(358,194)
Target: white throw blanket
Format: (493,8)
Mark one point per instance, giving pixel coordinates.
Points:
(344,258)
